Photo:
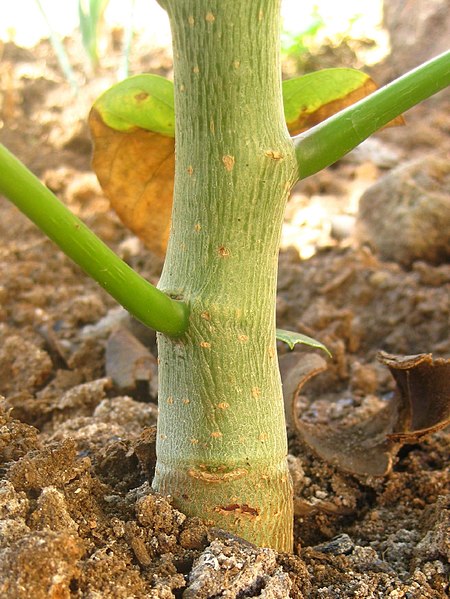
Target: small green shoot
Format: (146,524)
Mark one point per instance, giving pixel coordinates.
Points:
(90,13)
(291,339)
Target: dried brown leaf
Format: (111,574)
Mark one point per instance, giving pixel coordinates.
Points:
(424,395)
(135,169)
(366,444)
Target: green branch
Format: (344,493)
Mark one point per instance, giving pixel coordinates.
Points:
(328,141)
(144,301)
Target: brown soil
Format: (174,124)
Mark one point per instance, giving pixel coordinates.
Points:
(77,514)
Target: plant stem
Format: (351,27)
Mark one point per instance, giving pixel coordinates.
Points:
(149,305)
(328,141)
(221,441)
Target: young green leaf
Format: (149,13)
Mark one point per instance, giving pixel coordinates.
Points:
(292,339)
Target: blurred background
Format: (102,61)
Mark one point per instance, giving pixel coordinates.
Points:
(25,22)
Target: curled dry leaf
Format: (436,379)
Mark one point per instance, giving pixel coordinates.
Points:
(424,395)
(355,445)
(296,369)
(365,442)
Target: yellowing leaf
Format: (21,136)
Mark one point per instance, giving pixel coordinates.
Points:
(144,101)
(312,98)
(132,125)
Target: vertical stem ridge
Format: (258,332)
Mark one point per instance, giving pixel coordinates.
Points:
(222,438)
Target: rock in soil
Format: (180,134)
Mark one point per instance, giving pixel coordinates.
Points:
(405,216)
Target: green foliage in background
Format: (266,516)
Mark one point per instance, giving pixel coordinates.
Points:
(90,14)
(294,45)
(91,19)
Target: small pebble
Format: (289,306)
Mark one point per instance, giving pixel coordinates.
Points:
(340,545)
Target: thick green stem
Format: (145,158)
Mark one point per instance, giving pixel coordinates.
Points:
(138,296)
(330,140)
(221,433)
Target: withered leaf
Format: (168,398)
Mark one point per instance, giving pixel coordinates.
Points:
(366,444)
(296,370)
(135,169)
(133,128)
(424,395)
